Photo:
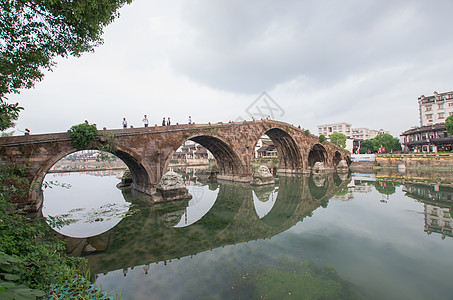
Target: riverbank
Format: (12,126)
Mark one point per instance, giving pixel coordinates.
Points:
(419,161)
(416,168)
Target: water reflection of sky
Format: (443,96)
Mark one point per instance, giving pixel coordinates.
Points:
(380,247)
(91,208)
(264,207)
(202,201)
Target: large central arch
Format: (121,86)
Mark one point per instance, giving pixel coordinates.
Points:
(228,160)
(289,156)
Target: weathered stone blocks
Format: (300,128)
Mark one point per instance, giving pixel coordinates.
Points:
(262,176)
(170,188)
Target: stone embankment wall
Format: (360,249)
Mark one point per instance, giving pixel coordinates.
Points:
(362,166)
(441,161)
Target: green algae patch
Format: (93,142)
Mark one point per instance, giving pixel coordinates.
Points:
(305,281)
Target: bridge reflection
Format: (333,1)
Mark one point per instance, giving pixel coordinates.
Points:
(150,235)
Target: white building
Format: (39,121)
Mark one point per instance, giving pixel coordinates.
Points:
(364,133)
(436,108)
(328,129)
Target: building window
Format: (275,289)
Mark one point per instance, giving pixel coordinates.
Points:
(450,104)
(428,108)
(440,106)
(430,116)
(441,115)
(450,113)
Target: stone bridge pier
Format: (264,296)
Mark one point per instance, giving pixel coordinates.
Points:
(147,152)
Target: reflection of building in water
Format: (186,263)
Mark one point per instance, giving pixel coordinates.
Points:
(361,186)
(344,196)
(438,220)
(438,202)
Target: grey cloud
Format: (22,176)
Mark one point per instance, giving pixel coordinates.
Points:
(253,46)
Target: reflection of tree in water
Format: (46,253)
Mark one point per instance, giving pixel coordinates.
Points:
(385,187)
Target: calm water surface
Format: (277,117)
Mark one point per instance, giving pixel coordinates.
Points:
(325,237)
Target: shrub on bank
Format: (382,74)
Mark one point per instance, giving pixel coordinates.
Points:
(32,260)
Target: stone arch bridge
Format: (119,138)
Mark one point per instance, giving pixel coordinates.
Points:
(147,151)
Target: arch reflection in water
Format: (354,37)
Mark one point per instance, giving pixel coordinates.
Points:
(203,198)
(150,235)
(264,198)
(89,208)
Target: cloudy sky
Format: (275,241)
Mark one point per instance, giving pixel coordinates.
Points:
(363,62)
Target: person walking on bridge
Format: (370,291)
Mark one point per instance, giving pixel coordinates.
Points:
(163,121)
(145,121)
(124,123)
(168,121)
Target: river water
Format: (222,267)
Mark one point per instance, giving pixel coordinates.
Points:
(324,237)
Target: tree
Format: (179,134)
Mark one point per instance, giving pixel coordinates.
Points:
(8,114)
(33,33)
(322,138)
(83,135)
(338,139)
(386,141)
(449,124)
(366,146)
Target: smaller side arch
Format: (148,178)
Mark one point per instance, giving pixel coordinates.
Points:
(317,154)
(336,159)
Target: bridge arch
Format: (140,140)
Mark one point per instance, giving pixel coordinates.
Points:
(132,160)
(317,154)
(228,160)
(288,152)
(336,159)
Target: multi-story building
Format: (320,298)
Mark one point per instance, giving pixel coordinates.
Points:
(328,129)
(436,108)
(365,133)
(431,136)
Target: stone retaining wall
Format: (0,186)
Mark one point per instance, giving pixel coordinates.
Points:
(441,161)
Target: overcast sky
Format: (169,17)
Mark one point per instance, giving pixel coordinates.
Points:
(357,61)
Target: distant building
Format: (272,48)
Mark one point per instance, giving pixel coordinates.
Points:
(328,129)
(436,108)
(192,150)
(365,133)
(265,148)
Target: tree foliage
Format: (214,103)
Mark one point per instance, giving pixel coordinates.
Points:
(449,124)
(83,135)
(8,114)
(33,33)
(322,138)
(338,138)
(382,142)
